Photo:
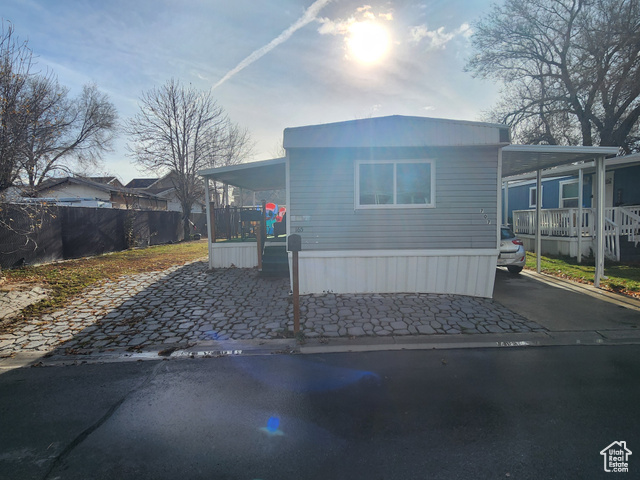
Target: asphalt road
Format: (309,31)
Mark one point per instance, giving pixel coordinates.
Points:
(534,413)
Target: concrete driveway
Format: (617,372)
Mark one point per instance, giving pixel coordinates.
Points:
(562,306)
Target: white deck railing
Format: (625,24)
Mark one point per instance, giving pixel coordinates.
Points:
(563,222)
(611,240)
(628,218)
(555,222)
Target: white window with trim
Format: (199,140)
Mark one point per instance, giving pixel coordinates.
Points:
(395,184)
(569,194)
(533,196)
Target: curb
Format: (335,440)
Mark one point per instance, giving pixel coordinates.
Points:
(214,349)
(500,340)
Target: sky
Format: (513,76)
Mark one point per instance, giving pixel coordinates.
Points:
(270,64)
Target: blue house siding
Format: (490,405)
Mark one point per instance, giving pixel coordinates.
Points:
(626,190)
(626,186)
(519,194)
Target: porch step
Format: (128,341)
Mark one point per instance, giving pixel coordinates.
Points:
(275,261)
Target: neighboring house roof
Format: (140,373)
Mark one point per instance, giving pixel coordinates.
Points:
(106,180)
(164,182)
(153,185)
(54,182)
(141,182)
(161,187)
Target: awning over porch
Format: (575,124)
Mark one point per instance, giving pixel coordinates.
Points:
(254,176)
(519,159)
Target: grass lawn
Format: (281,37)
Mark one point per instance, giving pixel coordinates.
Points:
(622,278)
(68,278)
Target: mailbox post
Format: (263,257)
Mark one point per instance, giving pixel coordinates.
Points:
(294,245)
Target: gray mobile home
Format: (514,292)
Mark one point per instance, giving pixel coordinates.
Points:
(399,204)
(396,204)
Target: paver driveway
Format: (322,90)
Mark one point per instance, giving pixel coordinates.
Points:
(185,305)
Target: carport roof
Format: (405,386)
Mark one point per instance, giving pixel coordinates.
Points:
(255,176)
(516,160)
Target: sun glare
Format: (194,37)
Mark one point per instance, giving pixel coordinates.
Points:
(368,42)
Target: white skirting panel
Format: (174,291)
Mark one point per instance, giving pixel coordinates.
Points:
(232,254)
(559,245)
(461,272)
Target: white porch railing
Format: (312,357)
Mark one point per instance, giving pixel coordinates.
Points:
(611,240)
(628,218)
(563,222)
(555,222)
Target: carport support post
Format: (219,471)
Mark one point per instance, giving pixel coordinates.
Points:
(538,220)
(580,212)
(207,200)
(505,219)
(600,178)
(258,230)
(263,222)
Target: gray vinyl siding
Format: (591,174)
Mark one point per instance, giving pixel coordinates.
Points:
(322,184)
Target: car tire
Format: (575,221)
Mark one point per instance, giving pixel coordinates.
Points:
(514,270)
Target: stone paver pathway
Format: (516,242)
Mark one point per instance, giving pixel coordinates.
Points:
(186,305)
(14,299)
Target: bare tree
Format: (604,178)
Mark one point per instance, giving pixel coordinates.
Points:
(179,129)
(41,129)
(59,130)
(278,149)
(570,69)
(15,71)
(235,148)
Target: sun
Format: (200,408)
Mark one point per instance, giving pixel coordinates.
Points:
(368,42)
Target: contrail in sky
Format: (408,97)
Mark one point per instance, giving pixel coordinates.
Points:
(308,17)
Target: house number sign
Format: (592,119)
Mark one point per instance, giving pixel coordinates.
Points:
(486,217)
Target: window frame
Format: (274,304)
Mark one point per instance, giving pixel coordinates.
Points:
(395,162)
(531,190)
(561,188)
